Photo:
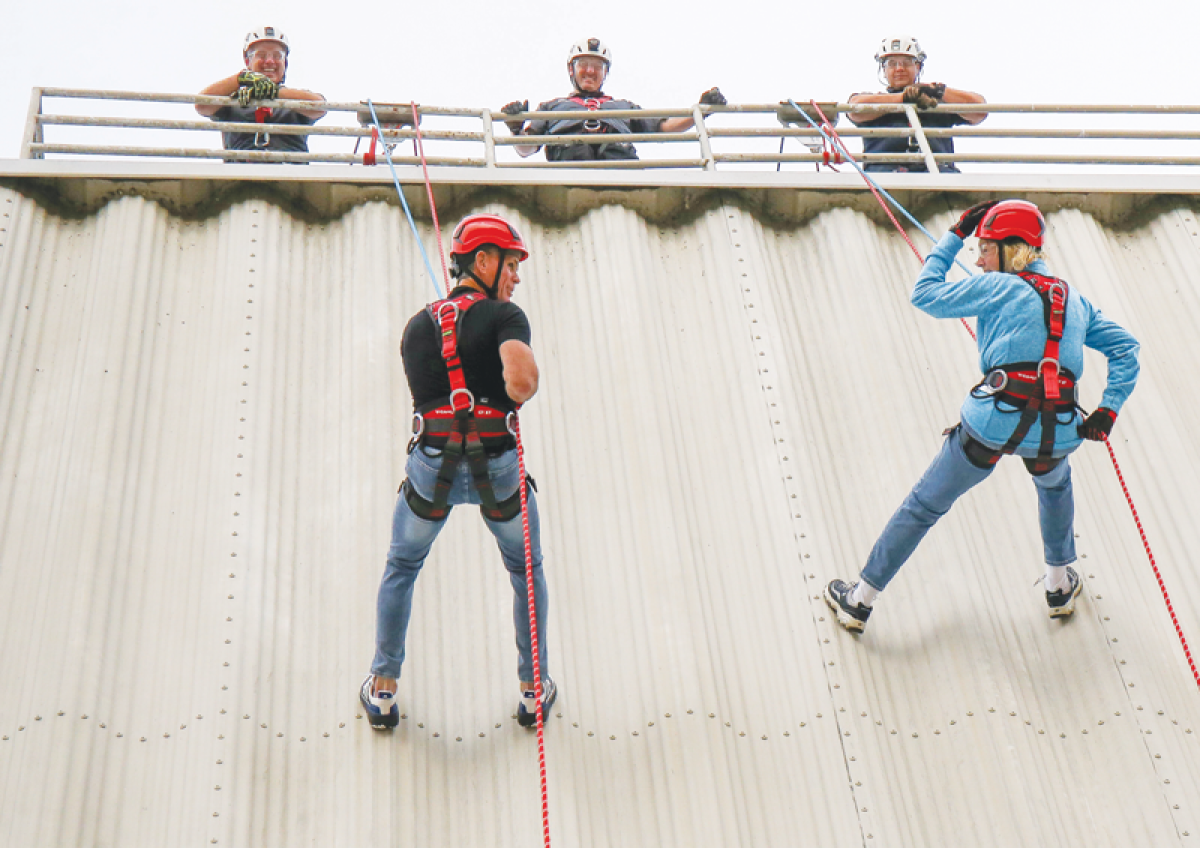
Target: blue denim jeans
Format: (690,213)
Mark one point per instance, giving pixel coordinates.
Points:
(412,538)
(948,477)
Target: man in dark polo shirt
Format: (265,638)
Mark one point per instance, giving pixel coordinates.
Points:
(265,52)
(587,65)
(901,61)
(469,366)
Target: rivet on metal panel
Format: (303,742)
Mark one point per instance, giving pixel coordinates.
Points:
(1156,756)
(689,712)
(818,715)
(650,724)
(879,722)
(826,641)
(1101,721)
(666,715)
(217,787)
(937,733)
(280,735)
(1115,639)
(436,735)
(326,734)
(590,733)
(1085,730)
(214,816)
(420,724)
(1099,597)
(741,733)
(37,718)
(710,715)
(103,725)
(220,762)
(837,686)
(1117,713)
(852,759)
(893,732)
(166,736)
(786,733)
(727,724)
(952,721)
(1160,712)
(635,733)
(143,739)
(845,732)
(970,713)
(991,709)
(612,739)
(119,735)
(1062,736)
(803,724)
(60,712)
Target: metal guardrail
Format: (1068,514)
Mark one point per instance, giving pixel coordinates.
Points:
(778,123)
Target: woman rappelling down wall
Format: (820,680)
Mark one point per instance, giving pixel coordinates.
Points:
(1032,329)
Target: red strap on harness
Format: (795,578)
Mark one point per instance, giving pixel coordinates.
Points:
(1054,296)
(446,314)
(261,114)
(590,103)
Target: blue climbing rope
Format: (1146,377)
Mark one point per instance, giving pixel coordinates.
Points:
(387,153)
(837,142)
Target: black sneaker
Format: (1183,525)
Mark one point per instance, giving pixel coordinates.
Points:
(527,709)
(382,710)
(1062,601)
(851,616)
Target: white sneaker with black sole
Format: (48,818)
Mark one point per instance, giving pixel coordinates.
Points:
(383,713)
(527,709)
(1062,601)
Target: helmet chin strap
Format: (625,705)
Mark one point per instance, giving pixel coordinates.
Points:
(491,290)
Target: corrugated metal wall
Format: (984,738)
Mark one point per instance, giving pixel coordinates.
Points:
(203,431)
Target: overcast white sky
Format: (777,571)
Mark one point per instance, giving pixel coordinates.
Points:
(477,53)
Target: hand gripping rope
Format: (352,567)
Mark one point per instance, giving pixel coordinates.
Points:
(877,191)
(533,630)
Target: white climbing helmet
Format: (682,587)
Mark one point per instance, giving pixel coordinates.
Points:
(904,45)
(266,34)
(590,47)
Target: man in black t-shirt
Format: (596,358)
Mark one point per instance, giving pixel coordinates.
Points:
(469,366)
(265,53)
(901,61)
(587,65)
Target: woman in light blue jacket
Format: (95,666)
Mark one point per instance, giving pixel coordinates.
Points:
(1032,329)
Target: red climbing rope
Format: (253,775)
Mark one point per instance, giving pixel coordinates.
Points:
(1157,575)
(533,631)
(828,127)
(429,191)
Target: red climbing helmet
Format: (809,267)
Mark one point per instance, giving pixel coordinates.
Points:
(475,231)
(1013,219)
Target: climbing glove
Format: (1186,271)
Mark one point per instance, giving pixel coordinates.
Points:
(255,86)
(970,219)
(515,108)
(713,97)
(914,94)
(936,90)
(1098,425)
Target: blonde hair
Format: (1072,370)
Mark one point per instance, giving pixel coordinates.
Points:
(1018,256)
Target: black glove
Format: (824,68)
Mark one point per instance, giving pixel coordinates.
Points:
(970,219)
(1098,425)
(936,90)
(515,108)
(914,94)
(255,86)
(713,97)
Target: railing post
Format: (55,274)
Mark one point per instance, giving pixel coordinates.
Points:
(489,140)
(33,126)
(922,141)
(710,164)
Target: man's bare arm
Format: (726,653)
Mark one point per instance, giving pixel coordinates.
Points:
(520,370)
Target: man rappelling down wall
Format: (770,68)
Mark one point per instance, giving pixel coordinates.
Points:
(469,366)
(1032,329)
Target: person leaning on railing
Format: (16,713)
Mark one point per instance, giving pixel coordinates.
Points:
(587,65)
(901,61)
(265,52)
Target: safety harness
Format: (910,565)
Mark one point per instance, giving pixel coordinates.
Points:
(1042,389)
(458,425)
